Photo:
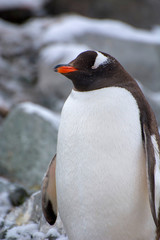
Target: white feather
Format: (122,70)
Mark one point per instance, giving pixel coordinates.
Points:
(156,173)
(100,59)
(101,177)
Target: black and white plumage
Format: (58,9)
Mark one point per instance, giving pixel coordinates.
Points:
(108,156)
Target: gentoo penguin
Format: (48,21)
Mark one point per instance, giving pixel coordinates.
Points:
(105,178)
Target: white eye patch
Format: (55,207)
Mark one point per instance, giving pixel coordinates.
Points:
(100,59)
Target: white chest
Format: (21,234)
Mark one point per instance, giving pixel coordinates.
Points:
(101,166)
(101,124)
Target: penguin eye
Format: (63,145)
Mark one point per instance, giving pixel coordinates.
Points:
(100,60)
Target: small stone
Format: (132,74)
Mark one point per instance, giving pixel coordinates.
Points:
(18,196)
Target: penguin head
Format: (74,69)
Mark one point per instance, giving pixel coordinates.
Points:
(90,70)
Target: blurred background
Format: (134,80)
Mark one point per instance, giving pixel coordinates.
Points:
(35,35)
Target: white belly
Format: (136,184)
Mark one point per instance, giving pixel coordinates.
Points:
(101,177)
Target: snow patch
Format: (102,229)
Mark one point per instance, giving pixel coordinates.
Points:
(24,232)
(38,235)
(62,238)
(4,181)
(20,3)
(5,204)
(62,31)
(53,233)
(46,114)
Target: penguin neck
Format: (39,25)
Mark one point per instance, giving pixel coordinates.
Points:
(90,84)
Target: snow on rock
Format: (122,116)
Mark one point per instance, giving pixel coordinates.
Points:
(53,233)
(59,51)
(32,108)
(114,28)
(62,238)
(22,232)
(31,231)
(35,28)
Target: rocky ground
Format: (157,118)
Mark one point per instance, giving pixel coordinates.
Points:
(32,95)
(24,221)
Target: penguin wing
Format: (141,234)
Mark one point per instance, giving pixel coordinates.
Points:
(49,198)
(152,150)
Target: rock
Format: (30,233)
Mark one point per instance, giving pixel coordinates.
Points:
(18,11)
(18,196)
(27,143)
(16,15)
(143,14)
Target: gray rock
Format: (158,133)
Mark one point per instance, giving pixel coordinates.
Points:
(27,143)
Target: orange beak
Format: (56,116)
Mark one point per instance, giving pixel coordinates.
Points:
(64,68)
